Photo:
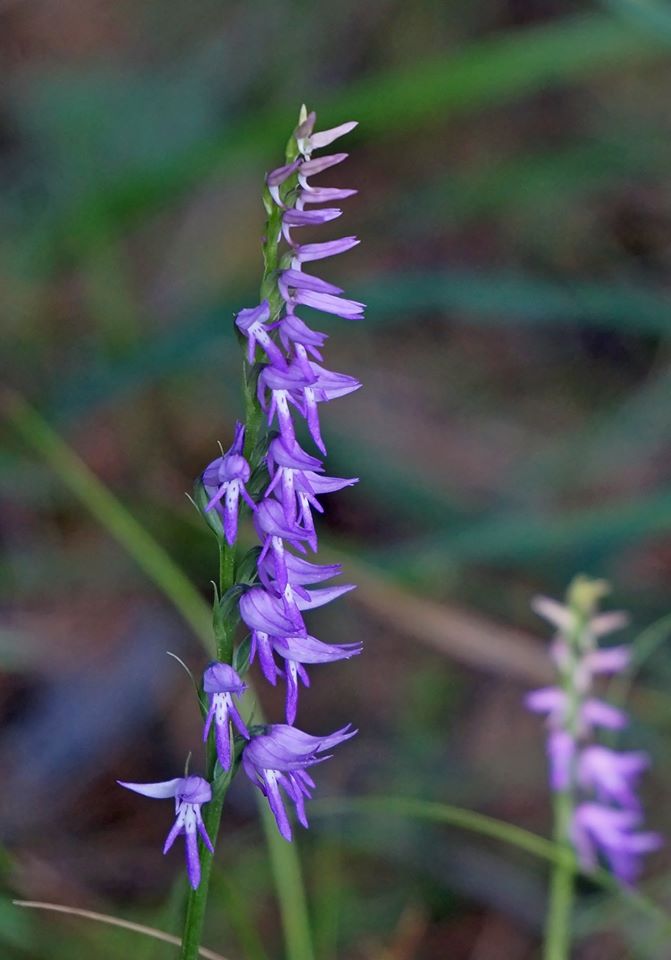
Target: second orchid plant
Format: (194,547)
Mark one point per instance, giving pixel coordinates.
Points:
(268,473)
(597,809)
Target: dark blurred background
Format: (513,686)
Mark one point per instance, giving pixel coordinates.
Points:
(515,214)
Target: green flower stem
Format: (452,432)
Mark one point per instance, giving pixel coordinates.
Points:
(582,599)
(560,907)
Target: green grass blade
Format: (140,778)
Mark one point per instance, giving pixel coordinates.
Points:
(489,72)
(290,890)
(111,514)
(463,819)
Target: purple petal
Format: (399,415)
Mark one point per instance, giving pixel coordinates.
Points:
(323,139)
(158,791)
(222,678)
(554,612)
(324,595)
(192,861)
(297,280)
(277,177)
(311,650)
(339,306)
(261,611)
(308,218)
(604,715)
(317,165)
(325,194)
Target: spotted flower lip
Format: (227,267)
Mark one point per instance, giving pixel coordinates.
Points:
(279,757)
(190,794)
(222,684)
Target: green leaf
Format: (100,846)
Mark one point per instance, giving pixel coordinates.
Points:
(211,517)
(488,72)
(241,656)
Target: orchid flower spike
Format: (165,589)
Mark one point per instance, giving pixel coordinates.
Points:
(598,782)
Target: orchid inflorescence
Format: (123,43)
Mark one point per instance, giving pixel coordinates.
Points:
(280,483)
(598,782)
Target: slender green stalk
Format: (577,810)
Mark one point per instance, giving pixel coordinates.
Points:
(196,904)
(560,907)
(197,900)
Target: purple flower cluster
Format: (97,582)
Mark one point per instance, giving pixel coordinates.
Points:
(291,382)
(601,782)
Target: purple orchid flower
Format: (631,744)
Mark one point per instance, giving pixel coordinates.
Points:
(224,480)
(296,291)
(591,713)
(600,829)
(612,776)
(284,387)
(293,330)
(222,684)
(252,324)
(279,757)
(273,528)
(296,480)
(190,794)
